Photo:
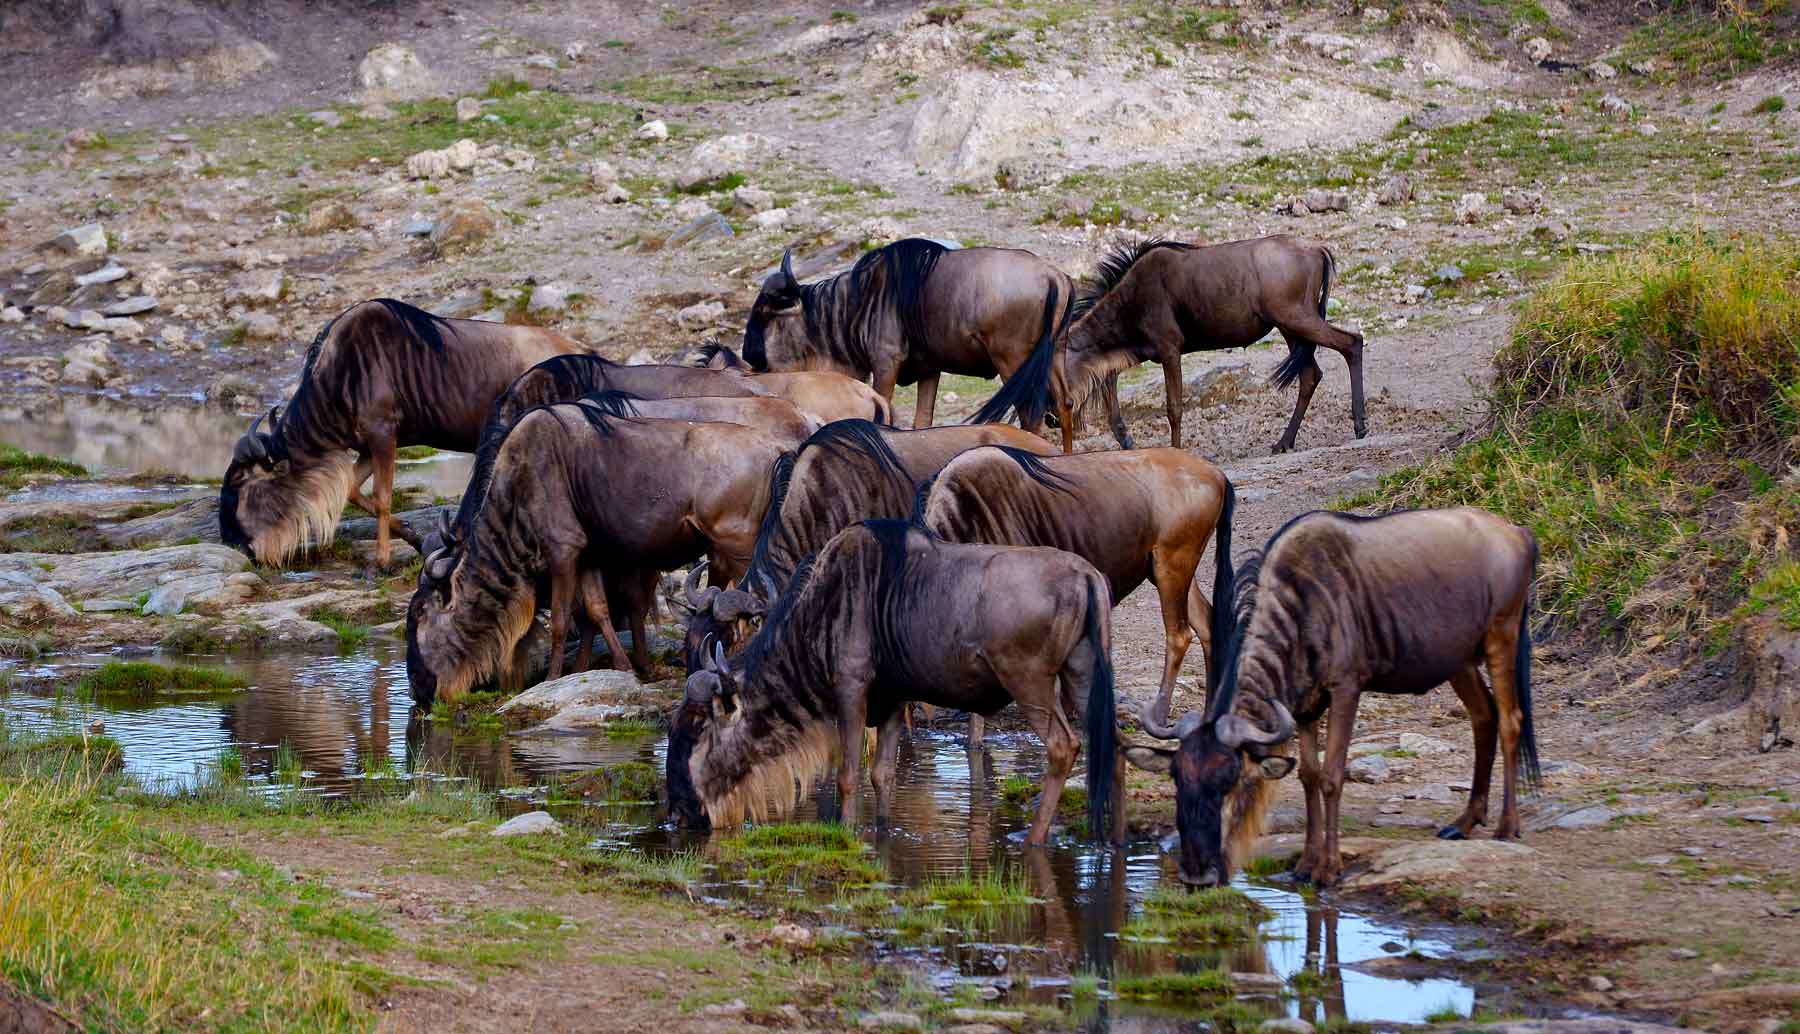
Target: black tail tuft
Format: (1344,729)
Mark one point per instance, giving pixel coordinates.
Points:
(1325,287)
(1224,615)
(1102,727)
(1528,752)
(1027,391)
(1299,357)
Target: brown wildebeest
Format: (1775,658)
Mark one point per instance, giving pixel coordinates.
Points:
(1336,606)
(886,614)
(380,375)
(777,418)
(1155,300)
(912,311)
(565,496)
(822,394)
(1138,515)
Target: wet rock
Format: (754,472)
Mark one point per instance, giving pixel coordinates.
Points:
(1418,744)
(468,109)
(122,574)
(1600,71)
(232,390)
(549,298)
(1318,200)
(326,216)
(890,1020)
(579,690)
(257,289)
(1284,1025)
(136,305)
(997,1017)
(1371,768)
(391,72)
(1537,48)
(1244,981)
(601,174)
(1470,208)
(463,229)
(106,274)
(90,363)
(655,129)
(88,240)
(532,823)
(700,314)
(1397,190)
(711,226)
(1429,861)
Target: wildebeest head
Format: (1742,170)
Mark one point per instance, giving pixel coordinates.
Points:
(1219,766)
(271,502)
(775,320)
(721,615)
(711,696)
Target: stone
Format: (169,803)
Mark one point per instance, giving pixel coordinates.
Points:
(641,357)
(260,326)
(1555,231)
(601,174)
(32,603)
(90,362)
(575,50)
(1397,190)
(391,72)
(773,219)
(1645,67)
(615,194)
(1470,208)
(136,305)
(257,289)
(468,109)
(710,226)
(428,165)
(549,298)
(655,129)
(166,601)
(106,606)
(124,573)
(89,240)
(531,823)
(326,117)
(1370,768)
(1683,953)
(791,934)
(543,61)
(1246,981)
(890,1020)
(106,274)
(1418,744)
(1537,48)
(417,228)
(1599,983)
(1319,200)
(1616,106)
(1587,817)
(997,1017)
(700,314)
(122,326)
(12,314)
(1447,274)
(1522,202)
(753,199)
(468,223)
(601,686)
(1284,1025)
(1435,861)
(734,1008)
(1601,71)
(173,338)
(326,216)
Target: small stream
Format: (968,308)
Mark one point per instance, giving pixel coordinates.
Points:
(346,724)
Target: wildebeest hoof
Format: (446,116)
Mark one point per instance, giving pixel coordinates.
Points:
(1451,833)
(1280,447)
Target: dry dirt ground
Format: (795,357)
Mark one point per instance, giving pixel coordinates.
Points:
(1058,128)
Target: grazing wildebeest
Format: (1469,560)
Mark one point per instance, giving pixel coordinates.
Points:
(382,374)
(566,494)
(911,311)
(887,614)
(1155,300)
(777,418)
(1333,607)
(823,394)
(1133,515)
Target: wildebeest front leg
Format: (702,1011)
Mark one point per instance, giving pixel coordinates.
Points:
(883,381)
(1309,380)
(852,719)
(1312,782)
(881,770)
(1115,418)
(925,410)
(1172,397)
(382,450)
(1337,756)
(563,581)
(1480,704)
(593,600)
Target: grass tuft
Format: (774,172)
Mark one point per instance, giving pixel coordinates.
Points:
(802,852)
(16,465)
(143,681)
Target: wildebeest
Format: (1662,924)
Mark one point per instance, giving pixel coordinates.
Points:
(777,418)
(566,495)
(887,614)
(1134,515)
(380,375)
(1155,300)
(823,394)
(1333,607)
(907,312)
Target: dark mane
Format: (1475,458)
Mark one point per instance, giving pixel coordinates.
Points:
(1224,689)
(1037,470)
(780,476)
(762,645)
(843,437)
(1112,269)
(909,264)
(614,402)
(839,309)
(713,350)
(492,438)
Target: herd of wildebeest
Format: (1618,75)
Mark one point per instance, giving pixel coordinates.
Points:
(856,568)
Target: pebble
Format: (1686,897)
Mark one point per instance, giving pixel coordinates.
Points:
(1370,768)
(1656,860)
(326,117)
(530,823)
(735,1007)
(104,275)
(1285,1025)
(83,240)
(418,228)
(468,109)
(261,326)
(552,297)
(166,601)
(655,129)
(1683,953)
(133,306)
(888,1020)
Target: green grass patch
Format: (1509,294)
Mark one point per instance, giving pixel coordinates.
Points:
(628,782)
(995,888)
(415,452)
(139,681)
(743,82)
(62,754)
(351,633)
(671,874)
(1770,105)
(632,729)
(1691,42)
(1778,594)
(805,852)
(1207,983)
(1017,789)
(1216,915)
(17,466)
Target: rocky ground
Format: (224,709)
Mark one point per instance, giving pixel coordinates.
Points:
(627,173)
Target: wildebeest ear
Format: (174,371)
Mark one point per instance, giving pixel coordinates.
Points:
(702,686)
(1151,759)
(1276,767)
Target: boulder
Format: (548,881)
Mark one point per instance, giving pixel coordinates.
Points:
(615,194)
(29,603)
(1320,200)
(532,823)
(468,109)
(1522,202)
(773,219)
(122,574)
(578,690)
(392,72)
(1397,190)
(166,600)
(326,216)
(1600,71)
(1437,861)
(1537,48)
(89,240)
(549,298)
(752,199)
(1470,208)
(1773,710)
(463,229)
(700,315)
(655,129)
(257,289)
(601,174)
(430,165)
(1554,816)
(1284,1025)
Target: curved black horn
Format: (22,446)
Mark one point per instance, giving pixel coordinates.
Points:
(787,267)
(444,524)
(1237,732)
(690,587)
(718,657)
(1146,717)
(439,564)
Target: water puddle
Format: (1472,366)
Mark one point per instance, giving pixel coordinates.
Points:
(342,726)
(114,438)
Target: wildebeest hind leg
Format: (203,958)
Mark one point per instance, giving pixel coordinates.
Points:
(852,720)
(926,408)
(1172,571)
(1501,643)
(1060,748)
(382,457)
(1480,704)
(1337,755)
(1309,380)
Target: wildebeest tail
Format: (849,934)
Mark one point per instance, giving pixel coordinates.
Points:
(1299,357)
(1102,728)
(1037,470)
(1528,753)
(1027,391)
(1224,614)
(1330,263)
(781,474)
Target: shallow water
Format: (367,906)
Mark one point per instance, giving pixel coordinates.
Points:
(338,717)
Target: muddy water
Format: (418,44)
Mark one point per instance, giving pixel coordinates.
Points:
(342,726)
(109,437)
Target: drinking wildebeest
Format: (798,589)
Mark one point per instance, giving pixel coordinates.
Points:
(911,311)
(380,375)
(883,615)
(822,394)
(565,496)
(1155,300)
(1333,607)
(1134,515)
